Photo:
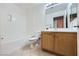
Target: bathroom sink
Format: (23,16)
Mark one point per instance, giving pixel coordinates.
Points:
(62,30)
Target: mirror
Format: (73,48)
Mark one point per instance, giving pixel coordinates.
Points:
(73,15)
(61,15)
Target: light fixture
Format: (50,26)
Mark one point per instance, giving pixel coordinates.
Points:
(11,18)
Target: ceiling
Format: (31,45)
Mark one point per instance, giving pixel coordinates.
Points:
(29,5)
(26,6)
(60,7)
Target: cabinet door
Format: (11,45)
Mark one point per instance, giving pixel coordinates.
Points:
(65,43)
(47,41)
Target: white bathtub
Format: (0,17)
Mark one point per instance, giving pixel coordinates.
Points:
(8,47)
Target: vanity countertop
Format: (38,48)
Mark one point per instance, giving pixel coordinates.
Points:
(61,30)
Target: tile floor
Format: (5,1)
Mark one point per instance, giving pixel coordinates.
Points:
(30,51)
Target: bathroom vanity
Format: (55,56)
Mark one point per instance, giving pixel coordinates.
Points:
(61,34)
(61,42)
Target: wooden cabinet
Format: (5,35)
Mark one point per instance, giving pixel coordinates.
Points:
(63,43)
(47,41)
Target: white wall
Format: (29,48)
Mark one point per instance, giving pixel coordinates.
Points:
(12,31)
(36,20)
(15,32)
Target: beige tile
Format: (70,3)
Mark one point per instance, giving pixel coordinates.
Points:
(28,51)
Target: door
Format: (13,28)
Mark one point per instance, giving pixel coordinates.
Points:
(59,22)
(47,41)
(67,44)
